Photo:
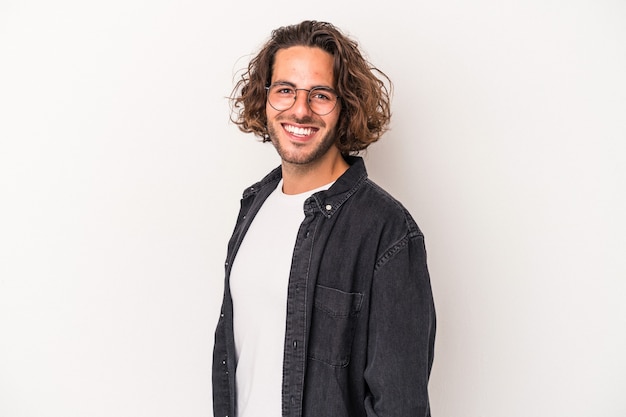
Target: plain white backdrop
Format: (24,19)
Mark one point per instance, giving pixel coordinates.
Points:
(120,179)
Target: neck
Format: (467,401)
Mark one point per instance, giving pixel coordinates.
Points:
(299,179)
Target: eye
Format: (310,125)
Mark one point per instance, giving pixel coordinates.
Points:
(320,94)
(284,90)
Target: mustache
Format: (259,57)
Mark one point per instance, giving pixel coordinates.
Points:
(306,120)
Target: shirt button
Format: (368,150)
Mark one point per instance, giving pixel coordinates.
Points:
(328,207)
(295,344)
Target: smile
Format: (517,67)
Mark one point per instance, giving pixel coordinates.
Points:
(300,131)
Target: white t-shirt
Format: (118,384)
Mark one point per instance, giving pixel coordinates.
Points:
(258,283)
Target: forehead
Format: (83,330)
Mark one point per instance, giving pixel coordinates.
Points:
(303,66)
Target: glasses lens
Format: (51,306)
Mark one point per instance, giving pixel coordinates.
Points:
(321,100)
(281,97)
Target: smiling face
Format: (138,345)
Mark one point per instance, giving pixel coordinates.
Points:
(301,137)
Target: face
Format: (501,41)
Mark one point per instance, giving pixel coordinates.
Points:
(300,136)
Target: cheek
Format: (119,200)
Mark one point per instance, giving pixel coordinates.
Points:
(270,114)
(332,120)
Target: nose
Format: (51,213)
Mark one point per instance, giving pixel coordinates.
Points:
(301,105)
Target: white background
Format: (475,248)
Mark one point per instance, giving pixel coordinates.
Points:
(120,178)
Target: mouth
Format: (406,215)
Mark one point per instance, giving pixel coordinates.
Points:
(300,132)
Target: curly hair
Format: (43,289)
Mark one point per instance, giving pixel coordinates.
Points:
(365,90)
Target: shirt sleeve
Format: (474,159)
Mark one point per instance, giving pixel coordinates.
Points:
(401,333)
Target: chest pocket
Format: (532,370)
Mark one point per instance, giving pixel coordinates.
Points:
(332,326)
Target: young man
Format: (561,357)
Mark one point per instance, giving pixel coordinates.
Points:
(327,309)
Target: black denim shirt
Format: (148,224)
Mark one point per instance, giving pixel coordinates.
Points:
(360,327)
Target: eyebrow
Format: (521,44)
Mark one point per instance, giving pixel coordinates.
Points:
(281,82)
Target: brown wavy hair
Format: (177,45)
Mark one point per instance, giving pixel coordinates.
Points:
(364,90)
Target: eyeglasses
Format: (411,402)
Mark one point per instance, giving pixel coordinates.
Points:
(282,96)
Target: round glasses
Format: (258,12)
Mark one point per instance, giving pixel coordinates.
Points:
(282,96)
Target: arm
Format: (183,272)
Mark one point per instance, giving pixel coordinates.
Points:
(401,333)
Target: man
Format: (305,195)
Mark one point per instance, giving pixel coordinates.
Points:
(327,308)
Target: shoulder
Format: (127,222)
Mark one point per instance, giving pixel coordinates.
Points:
(380,207)
(268,182)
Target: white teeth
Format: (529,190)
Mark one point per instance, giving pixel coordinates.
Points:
(300,131)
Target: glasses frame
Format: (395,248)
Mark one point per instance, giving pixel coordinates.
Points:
(308,98)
